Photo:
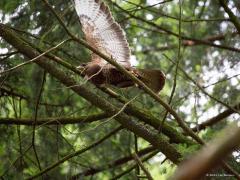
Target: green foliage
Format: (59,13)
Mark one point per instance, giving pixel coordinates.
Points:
(186,150)
(151,44)
(9,6)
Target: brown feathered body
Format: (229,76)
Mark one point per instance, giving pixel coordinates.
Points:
(103,33)
(154,79)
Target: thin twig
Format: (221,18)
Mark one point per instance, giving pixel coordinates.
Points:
(202,88)
(113,164)
(158,141)
(35,119)
(77,153)
(139,162)
(177,63)
(175,34)
(34,59)
(130,168)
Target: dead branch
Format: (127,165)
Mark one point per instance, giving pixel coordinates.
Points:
(211,155)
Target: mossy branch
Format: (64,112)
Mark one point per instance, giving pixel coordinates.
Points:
(54,120)
(158,141)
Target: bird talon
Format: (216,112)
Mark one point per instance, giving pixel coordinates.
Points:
(134,73)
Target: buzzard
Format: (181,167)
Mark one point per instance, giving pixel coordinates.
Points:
(103,33)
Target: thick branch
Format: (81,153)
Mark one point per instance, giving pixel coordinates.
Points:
(141,114)
(234,19)
(136,80)
(149,119)
(156,140)
(216,119)
(211,155)
(6,92)
(54,120)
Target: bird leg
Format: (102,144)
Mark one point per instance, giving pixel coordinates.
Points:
(134,72)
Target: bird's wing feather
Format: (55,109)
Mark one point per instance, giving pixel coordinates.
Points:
(102,32)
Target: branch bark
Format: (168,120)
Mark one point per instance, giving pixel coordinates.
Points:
(136,80)
(131,109)
(54,120)
(151,120)
(234,19)
(211,155)
(158,141)
(140,163)
(216,119)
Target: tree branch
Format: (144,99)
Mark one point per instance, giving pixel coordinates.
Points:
(216,119)
(149,119)
(140,163)
(156,140)
(198,41)
(211,155)
(202,88)
(54,120)
(130,168)
(179,120)
(113,164)
(75,153)
(234,19)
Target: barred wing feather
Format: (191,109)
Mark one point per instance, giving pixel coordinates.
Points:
(102,32)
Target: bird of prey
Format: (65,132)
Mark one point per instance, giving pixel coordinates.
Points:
(103,33)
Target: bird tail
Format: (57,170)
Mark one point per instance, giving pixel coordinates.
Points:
(154,79)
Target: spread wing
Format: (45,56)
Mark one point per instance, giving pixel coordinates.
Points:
(102,32)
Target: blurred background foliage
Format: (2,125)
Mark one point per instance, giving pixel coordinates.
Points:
(151,47)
